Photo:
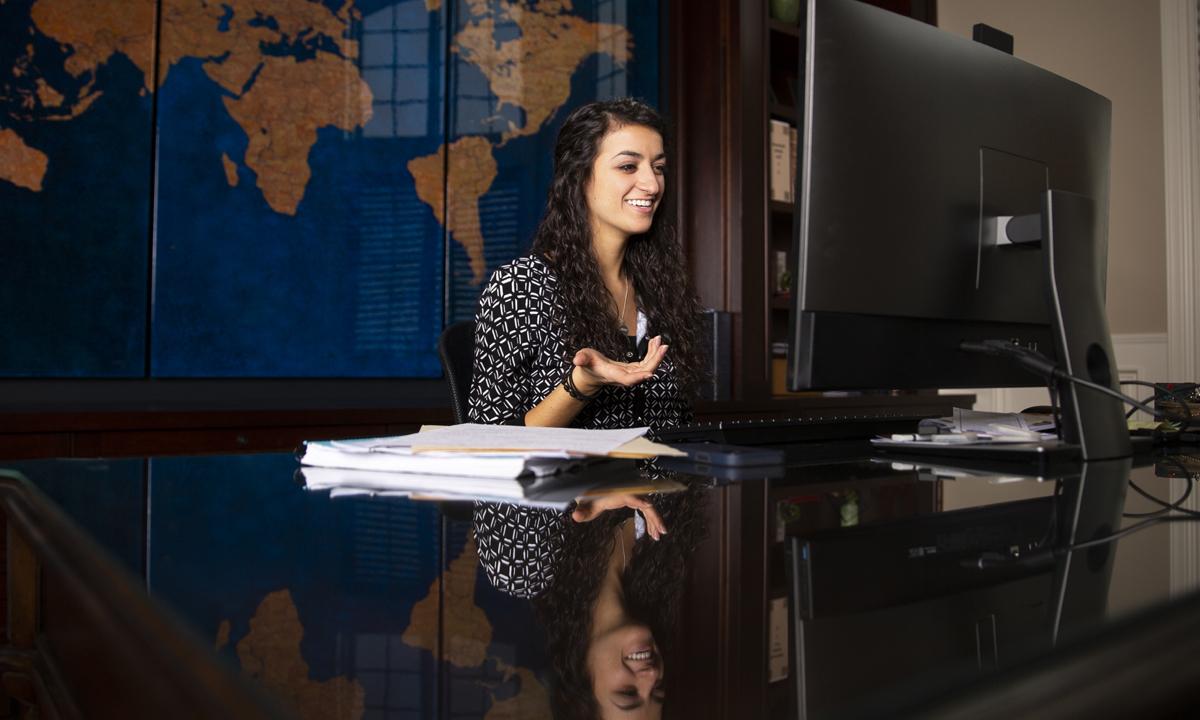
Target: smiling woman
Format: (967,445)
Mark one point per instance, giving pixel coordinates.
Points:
(596,328)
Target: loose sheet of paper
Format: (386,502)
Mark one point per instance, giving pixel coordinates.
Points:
(1000,427)
(476,438)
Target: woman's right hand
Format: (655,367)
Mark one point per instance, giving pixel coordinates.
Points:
(596,370)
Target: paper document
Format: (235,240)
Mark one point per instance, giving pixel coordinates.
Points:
(994,422)
(473,437)
(320,478)
(365,456)
(495,451)
(971,426)
(642,447)
(603,478)
(639,448)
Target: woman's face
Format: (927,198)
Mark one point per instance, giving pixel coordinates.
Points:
(627,182)
(627,673)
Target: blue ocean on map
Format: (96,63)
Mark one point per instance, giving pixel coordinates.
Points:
(157,246)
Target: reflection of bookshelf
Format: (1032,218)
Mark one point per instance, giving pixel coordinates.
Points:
(783,53)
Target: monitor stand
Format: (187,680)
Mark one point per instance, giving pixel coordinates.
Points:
(1090,508)
(1075,266)
(1093,423)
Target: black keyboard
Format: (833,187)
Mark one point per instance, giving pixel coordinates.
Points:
(773,431)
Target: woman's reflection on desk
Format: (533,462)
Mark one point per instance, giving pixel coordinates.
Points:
(576,334)
(606,581)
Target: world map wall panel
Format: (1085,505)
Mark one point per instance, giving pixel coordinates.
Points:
(517,70)
(291,239)
(75,192)
(330,181)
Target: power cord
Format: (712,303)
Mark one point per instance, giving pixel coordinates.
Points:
(1044,554)
(1039,364)
(1167,507)
(1130,530)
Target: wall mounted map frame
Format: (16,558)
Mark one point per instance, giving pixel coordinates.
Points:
(280,188)
(75,188)
(290,241)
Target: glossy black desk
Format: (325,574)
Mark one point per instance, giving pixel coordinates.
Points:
(363,607)
(833,489)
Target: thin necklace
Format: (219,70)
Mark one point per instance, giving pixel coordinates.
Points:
(625,299)
(621,539)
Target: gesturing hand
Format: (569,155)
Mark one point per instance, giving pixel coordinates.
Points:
(597,370)
(588,510)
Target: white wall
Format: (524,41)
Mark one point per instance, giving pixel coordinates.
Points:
(1114,48)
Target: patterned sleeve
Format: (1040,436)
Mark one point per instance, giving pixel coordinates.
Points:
(519,547)
(508,330)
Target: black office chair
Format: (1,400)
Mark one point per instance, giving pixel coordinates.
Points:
(456,348)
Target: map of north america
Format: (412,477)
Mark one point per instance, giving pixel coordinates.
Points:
(288,69)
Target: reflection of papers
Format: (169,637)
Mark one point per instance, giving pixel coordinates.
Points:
(929,473)
(482,450)
(611,477)
(341,492)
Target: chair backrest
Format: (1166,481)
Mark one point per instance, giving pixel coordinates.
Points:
(456,348)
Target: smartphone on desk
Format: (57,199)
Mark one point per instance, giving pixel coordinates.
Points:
(730,455)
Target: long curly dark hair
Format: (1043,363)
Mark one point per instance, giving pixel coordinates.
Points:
(653,261)
(652,586)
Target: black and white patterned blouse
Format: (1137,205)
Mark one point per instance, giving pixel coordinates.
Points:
(521,356)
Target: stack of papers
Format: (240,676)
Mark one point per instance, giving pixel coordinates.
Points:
(972,427)
(554,491)
(540,466)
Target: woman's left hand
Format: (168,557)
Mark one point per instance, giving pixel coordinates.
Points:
(599,370)
(588,510)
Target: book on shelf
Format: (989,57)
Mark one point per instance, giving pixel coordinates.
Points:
(792,137)
(783,274)
(781,189)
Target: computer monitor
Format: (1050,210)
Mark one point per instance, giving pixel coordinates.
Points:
(914,144)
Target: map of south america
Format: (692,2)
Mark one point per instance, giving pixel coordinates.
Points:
(281,188)
(531,73)
(280,101)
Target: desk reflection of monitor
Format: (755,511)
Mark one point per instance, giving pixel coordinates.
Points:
(916,606)
(913,144)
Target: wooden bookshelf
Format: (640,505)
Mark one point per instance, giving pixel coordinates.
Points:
(721,104)
(780,56)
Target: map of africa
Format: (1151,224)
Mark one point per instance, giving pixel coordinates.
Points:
(278,101)
(270,652)
(305,188)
